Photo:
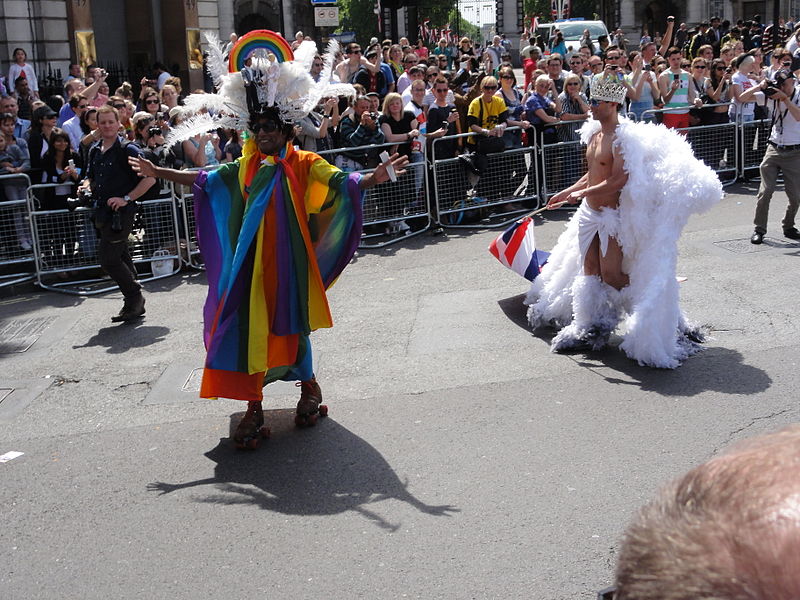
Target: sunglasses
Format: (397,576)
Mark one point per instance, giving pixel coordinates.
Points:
(490,87)
(441,90)
(699,67)
(118,106)
(506,77)
(574,83)
(152,102)
(83,106)
(265,126)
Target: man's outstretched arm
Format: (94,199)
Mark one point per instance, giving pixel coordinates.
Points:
(144,168)
(381,173)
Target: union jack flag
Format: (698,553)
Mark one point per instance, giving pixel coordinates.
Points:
(515,249)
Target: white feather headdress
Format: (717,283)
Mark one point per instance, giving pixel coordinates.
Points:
(286,86)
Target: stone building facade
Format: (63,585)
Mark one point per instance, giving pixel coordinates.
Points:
(130,35)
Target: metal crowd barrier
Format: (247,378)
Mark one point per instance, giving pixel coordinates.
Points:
(16,238)
(716,144)
(187,234)
(752,142)
(387,208)
(562,163)
(468,188)
(66,244)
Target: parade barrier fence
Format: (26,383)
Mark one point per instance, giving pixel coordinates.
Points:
(184,200)
(52,246)
(66,244)
(716,145)
(753,136)
(562,163)
(467,189)
(387,208)
(16,238)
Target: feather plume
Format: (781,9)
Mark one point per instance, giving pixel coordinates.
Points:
(304,54)
(328,60)
(216,62)
(196,125)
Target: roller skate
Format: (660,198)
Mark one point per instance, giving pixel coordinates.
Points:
(251,429)
(309,407)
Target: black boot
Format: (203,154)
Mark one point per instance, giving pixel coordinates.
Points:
(132,309)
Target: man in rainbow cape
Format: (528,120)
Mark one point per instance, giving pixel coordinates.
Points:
(276,227)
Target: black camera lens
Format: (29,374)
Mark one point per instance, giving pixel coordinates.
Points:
(155,131)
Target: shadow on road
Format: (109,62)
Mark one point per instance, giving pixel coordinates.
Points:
(125,336)
(325,470)
(715,369)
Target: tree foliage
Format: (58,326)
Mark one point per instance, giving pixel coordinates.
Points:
(580,8)
(359,17)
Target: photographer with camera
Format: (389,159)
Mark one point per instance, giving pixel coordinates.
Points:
(782,155)
(359,129)
(114,189)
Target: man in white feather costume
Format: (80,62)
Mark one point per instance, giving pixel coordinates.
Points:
(618,255)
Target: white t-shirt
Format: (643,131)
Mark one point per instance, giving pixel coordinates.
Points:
(430,98)
(15,71)
(73,128)
(785,128)
(738,108)
(162,79)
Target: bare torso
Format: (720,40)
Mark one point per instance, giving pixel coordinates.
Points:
(600,160)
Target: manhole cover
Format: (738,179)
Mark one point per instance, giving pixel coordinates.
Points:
(18,335)
(4,393)
(744,246)
(192,383)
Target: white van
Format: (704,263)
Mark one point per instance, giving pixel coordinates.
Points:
(572,30)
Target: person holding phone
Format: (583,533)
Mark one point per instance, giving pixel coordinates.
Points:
(678,95)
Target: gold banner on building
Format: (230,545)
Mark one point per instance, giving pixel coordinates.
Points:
(85,49)
(195,54)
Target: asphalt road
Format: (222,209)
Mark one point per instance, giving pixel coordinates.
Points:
(461,459)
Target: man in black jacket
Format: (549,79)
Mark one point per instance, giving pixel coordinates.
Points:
(115,188)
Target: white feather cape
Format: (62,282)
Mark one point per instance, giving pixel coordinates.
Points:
(666,184)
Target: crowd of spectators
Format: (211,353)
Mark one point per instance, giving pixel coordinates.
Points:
(410,96)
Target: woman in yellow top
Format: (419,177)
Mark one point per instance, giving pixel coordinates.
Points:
(487,115)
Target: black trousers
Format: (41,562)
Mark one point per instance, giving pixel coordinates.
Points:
(115,257)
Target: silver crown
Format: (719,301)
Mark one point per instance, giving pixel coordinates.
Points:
(610,90)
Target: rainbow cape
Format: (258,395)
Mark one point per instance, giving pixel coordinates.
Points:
(275,233)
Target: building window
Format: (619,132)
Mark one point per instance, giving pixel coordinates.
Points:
(716,8)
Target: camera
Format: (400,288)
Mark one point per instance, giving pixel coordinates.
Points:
(648,68)
(770,90)
(82,199)
(374,116)
(154,131)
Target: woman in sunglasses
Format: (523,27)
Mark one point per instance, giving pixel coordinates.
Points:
(149,102)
